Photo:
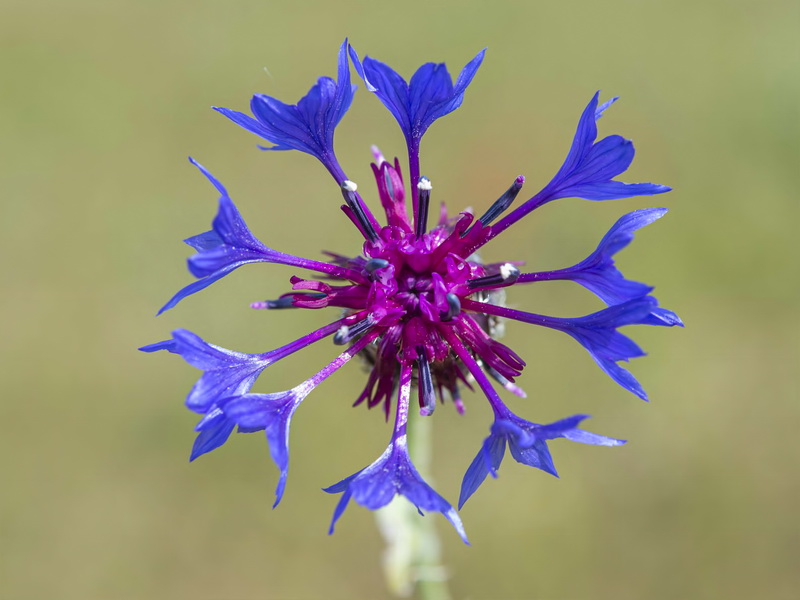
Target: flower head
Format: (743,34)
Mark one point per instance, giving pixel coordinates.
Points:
(416,304)
(528,444)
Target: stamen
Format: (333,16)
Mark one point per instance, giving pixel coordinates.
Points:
(354,202)
(453,307)
(503,202)
(348,333)
(374,264)
(427,397)
(285,302)
(507,275)
(424,187)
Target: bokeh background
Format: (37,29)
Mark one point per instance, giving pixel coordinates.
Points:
(101,103)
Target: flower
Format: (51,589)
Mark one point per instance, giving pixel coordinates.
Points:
(416,303)
(429,95)
(528,444)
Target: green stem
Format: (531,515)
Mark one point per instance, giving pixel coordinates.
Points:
(413,552)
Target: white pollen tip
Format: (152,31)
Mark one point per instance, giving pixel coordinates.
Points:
(376,152)
(343,330)
(349,186)
(508,270)
(425,184)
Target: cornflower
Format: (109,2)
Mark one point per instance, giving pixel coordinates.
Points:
(417,304)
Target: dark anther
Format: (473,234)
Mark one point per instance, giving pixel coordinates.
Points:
(374,264)
(453,307)
(348,333)
(354,202)
(507,275)
(503,202)
(389,185)
(427,397)
(497,376)
(424,188)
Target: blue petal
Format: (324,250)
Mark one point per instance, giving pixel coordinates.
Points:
(485,462)
(611,286)
(197,286)
(168,345)
(594,439)
(284,122)
(584,137)
(527,447)
(235,244)
(214,430)
(537,455)
(392,474)
(550,431)
(612,190)
(429,87)
(247,122)
(621,376)
(214,181)
(621,233)
(340,507)
(601,162)
(384,82)
(493,450)
(462,82)
(272,413)
(204,241)
(307,126)
(602,108)
(664,318)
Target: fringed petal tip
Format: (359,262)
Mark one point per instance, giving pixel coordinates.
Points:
(214,429)
(590,167)
(168,345)
(308,125)
(227,246)
(392,474)
(598,272)
(528,445)
(429,95)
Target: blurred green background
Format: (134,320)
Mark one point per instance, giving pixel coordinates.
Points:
(102,102)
